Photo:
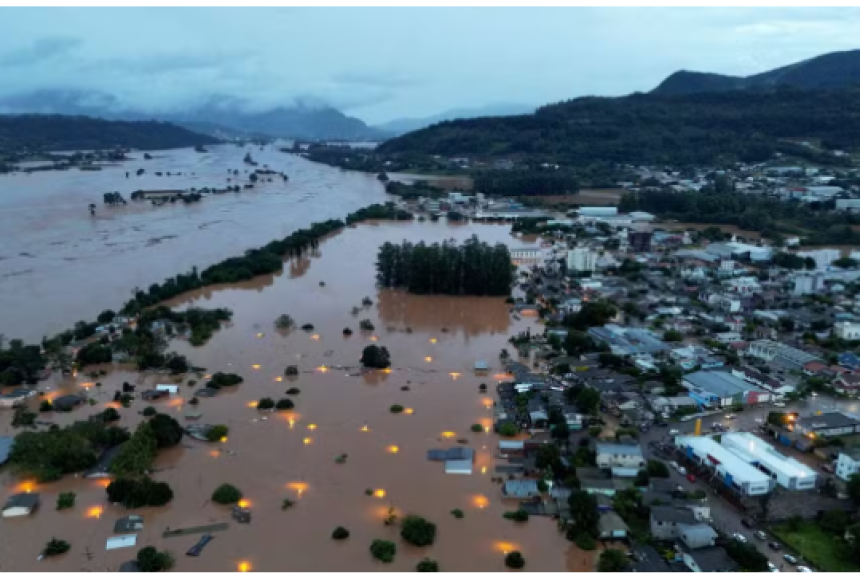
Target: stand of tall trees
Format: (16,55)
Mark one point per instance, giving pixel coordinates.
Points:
(527,182)
(472,268)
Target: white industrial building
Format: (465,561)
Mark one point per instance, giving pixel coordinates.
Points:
(788,472)
(848,464)
(729,467)
(581,260)
(846,330)
(823,257)
(598,211)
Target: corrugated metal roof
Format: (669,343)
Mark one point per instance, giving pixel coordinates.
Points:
(459,466)
(5,448)
(121,541)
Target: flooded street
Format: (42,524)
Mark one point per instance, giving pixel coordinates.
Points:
(433,341)
(63,265)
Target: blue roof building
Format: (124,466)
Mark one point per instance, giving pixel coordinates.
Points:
(627,341)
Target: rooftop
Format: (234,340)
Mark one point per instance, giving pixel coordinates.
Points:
(5,448)
(752,449)
(673,515)
(719,383)
(618,449)
(828,420)
(739,469)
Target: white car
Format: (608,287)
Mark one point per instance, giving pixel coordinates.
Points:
(779,404)
(682,470)
(731,416)
(759,421)
(674,465)
(790,559)
(739,537)
(674,432)
(802,569)
(772,568)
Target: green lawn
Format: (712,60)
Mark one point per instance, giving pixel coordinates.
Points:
(827,552)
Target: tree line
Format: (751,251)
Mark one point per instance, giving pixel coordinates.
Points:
(471,268)
(526,181)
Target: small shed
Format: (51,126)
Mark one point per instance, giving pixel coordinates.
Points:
(459,466)
(241,515)
(20,505)
(67,402)
(481,367)
(169,388)
(124,541)
(131,523)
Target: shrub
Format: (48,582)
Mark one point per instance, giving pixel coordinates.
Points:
(56,547)
(226,494)
(340,533)
(46,406)
(482,387)
(515,560)
(291,371)
(284,322)
(265,404)
(417,531)
(109,415)
(383,550)
(542,486)
(594,431)
(347,331)
(457,513)
(367,302)
(396,408)
(519,515)
(307,327)
(287,503)
(151,560)
(368,492)
(366,325)
(374,356)
(341,458)
(404,388)
(585,541)
(283,404)
(477,428)
(65,500)
(136,493)
(293,391)
(223,379)
(149,411)
(194,400)
(427,566)
(217,433)
(192,382)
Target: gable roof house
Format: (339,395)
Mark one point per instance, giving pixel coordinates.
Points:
(20,505)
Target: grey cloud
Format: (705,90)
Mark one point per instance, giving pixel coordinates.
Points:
(383,80)
(40,50)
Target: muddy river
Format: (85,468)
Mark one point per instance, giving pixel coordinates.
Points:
(433,341)
(63,265)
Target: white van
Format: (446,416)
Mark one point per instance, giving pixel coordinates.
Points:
(674,432)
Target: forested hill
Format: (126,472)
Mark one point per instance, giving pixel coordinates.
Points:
(52,132)
(830,71)
(697,128)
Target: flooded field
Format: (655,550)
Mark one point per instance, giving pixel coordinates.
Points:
(434,342)
(63,265)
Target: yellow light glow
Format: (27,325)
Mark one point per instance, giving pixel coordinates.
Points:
(244,567)
(409,411)
(260,335)
(455,375)
(387,370)
(481,501)
(215,453)
(504,547)
(379,493)
(483,470)
(223,439)
(486,429)
(308,441)
(315,336)
(298,486)
(95,512)
(243,503)
(176,402)
(487,402)
(256,366)
(252,404)
(25,486)
(428,359)
(279,379)
(86,385)
(312,426)
(292,422)
(322,369)
(364,429)
(432,340)
(392,449)
(374,338)
(448,434)
(103,482)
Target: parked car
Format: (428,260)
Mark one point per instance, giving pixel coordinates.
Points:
(774,545)
(682,470)
(827,467)
(747,522)
(691,478)
(661,423)
(674,432)
(759,421)
(802,569)
(790,559)
(731,416)
(739,537)
(674,465)
(761,535)
(779,404)
(772,568)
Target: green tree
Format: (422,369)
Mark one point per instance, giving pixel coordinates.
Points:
(852,487)
(657,468)
(673,336)
(137,454)
(166,430)
(515,560)
(612,561)
(583,512)
(340,533)
(375,357)
(226,494)
(418,531)
(383,550)
(56,547)
(427,566)
(65,500)
(151,560)
(747,556)
(508,429)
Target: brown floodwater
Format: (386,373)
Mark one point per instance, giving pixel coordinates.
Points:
(434,342)
(59,265)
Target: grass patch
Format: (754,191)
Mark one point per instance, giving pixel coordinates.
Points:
(828,552)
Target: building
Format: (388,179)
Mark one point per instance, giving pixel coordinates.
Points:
(697,536)
(732,470)
(718,389)
(847,204)
(709,560)
(520,489)
(846,330)
(639,241)
(15,397)
(619,455)
(762,381)
(5,448)
(848,464)
(823,257)
(829,424)
(665,521)
(788,472)
(20,505)
(636,343)
(807,283)
(102,467)
(768,350)
(526,256)
(581,260)
(688,357)
(610,526)
(598,211)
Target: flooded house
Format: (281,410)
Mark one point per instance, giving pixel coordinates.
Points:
(22,504)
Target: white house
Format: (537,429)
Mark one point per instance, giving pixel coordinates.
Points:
(611,455)
(10,399)
(20,505)
(522,256)
(848,464)
(581,260)
(846,330)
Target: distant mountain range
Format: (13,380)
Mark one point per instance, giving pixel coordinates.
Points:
(221,116)
(829,71)
(403,125)
(40,133)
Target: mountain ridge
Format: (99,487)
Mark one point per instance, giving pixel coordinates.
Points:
(403,125)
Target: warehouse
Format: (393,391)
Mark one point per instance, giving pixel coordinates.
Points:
(718,389)
(789,473)
(731,469)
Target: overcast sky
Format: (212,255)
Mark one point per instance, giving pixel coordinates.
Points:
(386,63)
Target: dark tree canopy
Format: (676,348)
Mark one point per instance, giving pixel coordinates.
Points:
(375,356)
